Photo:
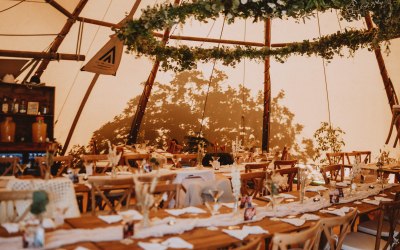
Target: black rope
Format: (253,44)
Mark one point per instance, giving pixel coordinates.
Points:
(15,5)
(28,34)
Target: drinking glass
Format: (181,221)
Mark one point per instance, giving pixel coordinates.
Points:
(215,158)
(216,194)
(176,160)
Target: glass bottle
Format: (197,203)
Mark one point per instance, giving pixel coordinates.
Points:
(4,106)
(14,106)
(39,130)
(7,130)
(22,108)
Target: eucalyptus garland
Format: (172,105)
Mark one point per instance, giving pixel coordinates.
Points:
(138,36)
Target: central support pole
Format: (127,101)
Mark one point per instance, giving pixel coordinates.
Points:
(144,98)
(267,89)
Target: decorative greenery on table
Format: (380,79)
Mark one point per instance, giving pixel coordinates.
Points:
(139,38)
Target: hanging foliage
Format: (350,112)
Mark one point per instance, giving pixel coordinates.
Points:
(139,38)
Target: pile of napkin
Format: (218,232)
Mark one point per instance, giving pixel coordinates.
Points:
(174,242)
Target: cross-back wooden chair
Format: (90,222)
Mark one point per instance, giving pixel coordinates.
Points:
(167,178)
(10,164)
(167,192)
(252,243)
(365,156)
(359,240)
(135,160)
(187,159)
(345,223)
(63,163)
(291,173)
(308,238)
(335,158)
(352,157)
(13,196)
(100,162)
(280,164)
(101,191)
(248,168)
(252,184)
(332,173)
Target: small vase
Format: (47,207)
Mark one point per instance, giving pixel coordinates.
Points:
(113,172)
(302,193)
(146,217)
(7,130)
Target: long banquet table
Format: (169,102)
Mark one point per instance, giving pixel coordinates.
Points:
(203,238)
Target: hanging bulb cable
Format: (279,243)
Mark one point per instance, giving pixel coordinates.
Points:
(325,78)
(243,121)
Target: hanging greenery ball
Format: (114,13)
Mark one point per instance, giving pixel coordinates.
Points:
(138,35)
(39,201)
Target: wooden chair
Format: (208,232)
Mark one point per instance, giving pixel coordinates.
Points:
(63,163)
(170,192)
(352,157)
(365,156)
(309,238)
(252,184)
(252,243)
(291,173)
(100,162)
(168,178)
(109,190)
(135,160)
(344,222)
(248,168)
(14,196)
(187,159)
(284,164)
(358,240)
(335,158)
(10,163)
(334,172)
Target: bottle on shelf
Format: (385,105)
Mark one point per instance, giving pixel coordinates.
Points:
(44,109)
(22,108)
(14,106)
(5,106)
(39,130)
(7,130)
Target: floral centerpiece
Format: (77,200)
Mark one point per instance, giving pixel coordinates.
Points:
(305,178)
(144,197)
(113,157)
(274,182)
(236,185)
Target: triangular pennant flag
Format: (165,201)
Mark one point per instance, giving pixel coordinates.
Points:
(107,60)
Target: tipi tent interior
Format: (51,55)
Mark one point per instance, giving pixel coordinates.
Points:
(357,98)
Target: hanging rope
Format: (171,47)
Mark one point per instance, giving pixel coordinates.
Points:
(243,86)
(79,69)
(79,40)
(338,20)
(15,5)
(209,82)
(28,34)
(325,78)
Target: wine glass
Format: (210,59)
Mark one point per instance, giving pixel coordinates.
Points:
(165,147)
(215,158)
(216,194)
(137,146)
(22,167)
(176,160)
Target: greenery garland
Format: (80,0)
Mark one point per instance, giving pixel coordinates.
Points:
(138,36)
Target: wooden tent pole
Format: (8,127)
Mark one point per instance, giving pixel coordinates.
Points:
(144,98)
(267,89)
(60,38)
(42,55)
(89,90)
(78,114)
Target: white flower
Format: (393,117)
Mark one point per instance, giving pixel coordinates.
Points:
(243,1)
(280,2)
(284,12)
(271,5)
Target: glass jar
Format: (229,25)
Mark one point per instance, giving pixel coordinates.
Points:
(39,130)
(7,130)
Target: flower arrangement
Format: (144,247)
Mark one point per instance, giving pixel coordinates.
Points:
(236,185)
(145,197)
(113,157)
(139,37)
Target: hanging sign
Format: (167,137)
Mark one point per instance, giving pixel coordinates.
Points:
(107,60)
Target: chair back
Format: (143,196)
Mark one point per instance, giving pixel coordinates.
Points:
(390,210)
(10,165)
(252,184)
(134,160)
(284,164)
(309,238)
(13,196)
(352,157)
(187,159)
(167,192)
(365,156)
(332,173)
(101,188)
(253,243)
(64,162)
(167,178)
(291,173)
(248,168)
(335,158)
(100,162)
(344,222)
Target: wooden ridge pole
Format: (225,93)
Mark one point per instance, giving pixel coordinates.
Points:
(60,38)
(42,55)
(267,89)
(89,90)
(144,98)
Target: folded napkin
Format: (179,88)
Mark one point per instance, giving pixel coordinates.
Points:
(341,184)
(228,205)
(246,230)
(11,227)
(189,210)
(379,198)
(315,188)
(151,246)
(174,242)
(282,195)
(373,202)
(339,212)
(309,217)
(110,218)
(294,221)
(81,248)
(133,214)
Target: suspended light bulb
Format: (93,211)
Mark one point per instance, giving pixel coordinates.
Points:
(243,1)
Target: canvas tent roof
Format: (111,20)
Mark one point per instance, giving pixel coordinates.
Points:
(355,85)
